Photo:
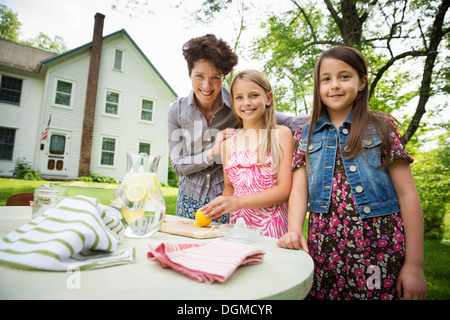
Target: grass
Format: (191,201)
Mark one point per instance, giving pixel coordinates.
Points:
(8,187)
(437,253)
(437,269)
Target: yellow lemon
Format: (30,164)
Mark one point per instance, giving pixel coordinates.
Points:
(136,188)
(137,178)
(116,202)
(153,185)
(136,192)
(200,219)
(131,216)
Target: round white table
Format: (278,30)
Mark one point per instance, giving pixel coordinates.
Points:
(284,274)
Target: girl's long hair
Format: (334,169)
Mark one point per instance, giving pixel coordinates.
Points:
(270,139)
(362,117)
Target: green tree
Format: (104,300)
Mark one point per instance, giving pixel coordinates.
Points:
(432,176)
(10,27)
(44,42)
(394,35)
(9,24)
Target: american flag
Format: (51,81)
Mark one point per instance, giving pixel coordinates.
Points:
(45,132)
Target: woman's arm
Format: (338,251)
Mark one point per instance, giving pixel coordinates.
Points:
(292,122)
(411,280)
(182,159)
(297,208)
(269,197)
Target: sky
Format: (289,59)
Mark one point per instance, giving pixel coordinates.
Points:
(160,34)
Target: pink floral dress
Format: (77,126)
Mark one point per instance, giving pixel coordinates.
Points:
(354,258)
(248,176)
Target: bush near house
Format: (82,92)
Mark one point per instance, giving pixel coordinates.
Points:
(97,178)
(23,170)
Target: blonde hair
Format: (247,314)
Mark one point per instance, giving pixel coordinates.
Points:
(270,139)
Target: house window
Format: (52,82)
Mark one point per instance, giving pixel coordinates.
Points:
(108,148)
(118,59)
(10,89)
(63,93)
(7,137)
(57,144)
(144,148)
(112,102)
(147,110)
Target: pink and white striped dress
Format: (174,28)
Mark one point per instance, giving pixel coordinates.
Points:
(248,176)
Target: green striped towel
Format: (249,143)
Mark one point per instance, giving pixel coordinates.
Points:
(77,232)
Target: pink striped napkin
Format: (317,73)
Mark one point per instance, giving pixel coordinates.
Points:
(206,262)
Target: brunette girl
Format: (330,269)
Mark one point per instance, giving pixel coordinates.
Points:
(365,231)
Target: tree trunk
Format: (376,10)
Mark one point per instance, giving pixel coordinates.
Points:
(436,36)
(351,29)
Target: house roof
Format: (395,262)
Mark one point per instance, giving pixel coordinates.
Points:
(53,59)
(22,56)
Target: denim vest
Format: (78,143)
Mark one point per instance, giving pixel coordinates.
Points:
(371,186)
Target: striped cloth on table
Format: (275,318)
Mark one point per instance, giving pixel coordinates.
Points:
(206,262)
(77,232)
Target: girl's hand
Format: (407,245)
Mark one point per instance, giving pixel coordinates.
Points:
(220,206)
(293,240)
(411,284)
(220,137)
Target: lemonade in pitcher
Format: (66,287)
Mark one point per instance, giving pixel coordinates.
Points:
(139,198)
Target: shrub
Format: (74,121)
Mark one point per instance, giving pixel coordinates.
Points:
(23,170)
(97,178)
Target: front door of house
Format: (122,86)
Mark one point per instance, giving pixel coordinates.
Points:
(57,153)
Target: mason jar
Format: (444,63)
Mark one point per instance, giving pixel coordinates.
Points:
(45,198)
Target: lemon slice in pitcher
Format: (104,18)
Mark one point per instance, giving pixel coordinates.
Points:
(152,184)
(131,216)
(136,192)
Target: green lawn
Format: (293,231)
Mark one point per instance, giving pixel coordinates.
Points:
(8,187)
(437,269)
(437,253)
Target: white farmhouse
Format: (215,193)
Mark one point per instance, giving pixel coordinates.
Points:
(102,100)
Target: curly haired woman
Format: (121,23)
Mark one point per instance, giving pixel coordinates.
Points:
(199,122)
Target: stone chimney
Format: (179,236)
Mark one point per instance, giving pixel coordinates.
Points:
(91,97)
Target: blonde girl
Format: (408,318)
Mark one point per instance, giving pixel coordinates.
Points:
(256,160)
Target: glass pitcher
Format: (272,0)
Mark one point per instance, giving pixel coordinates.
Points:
(139,198)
